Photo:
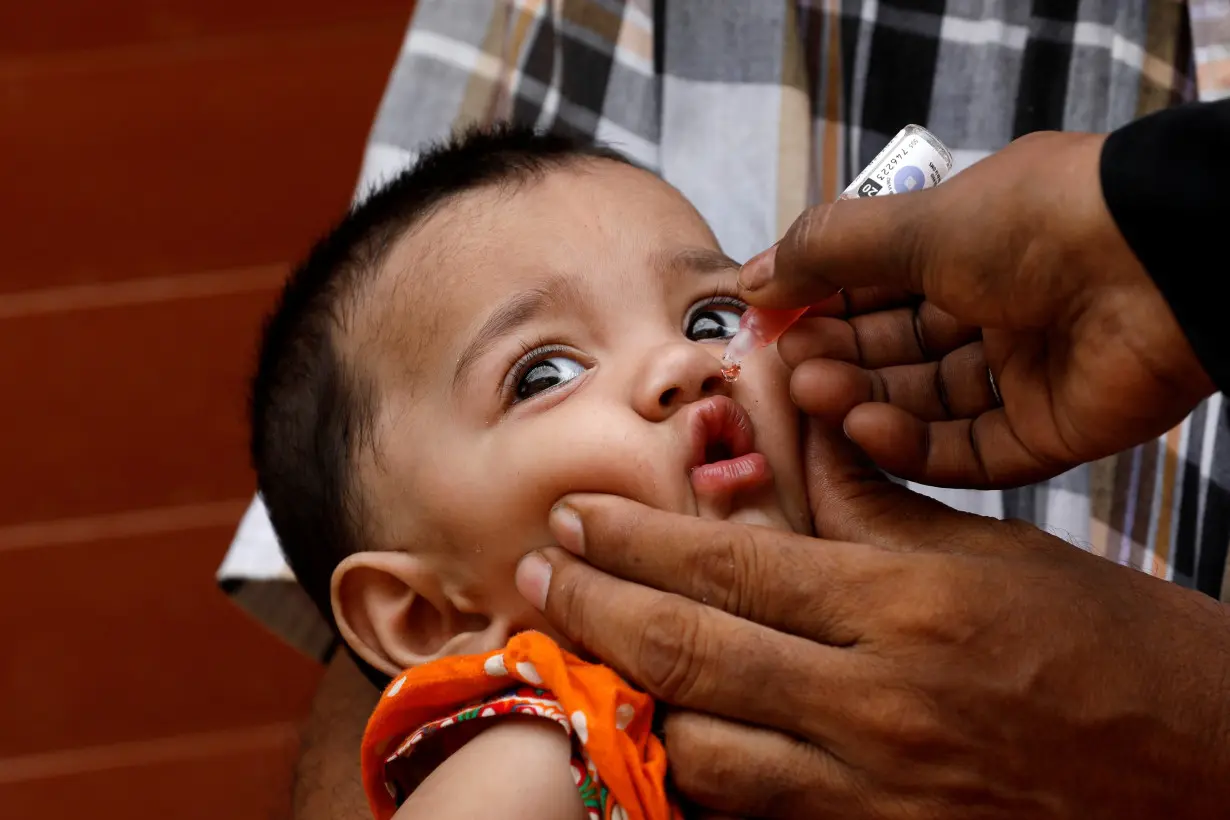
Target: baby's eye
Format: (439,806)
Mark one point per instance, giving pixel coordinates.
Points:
(716,318)
(544,374)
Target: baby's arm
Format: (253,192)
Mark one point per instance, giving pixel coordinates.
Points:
(517,768)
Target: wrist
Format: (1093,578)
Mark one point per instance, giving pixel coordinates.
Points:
(1158,335)
(1159,184)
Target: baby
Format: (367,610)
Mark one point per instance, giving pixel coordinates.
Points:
(515,318)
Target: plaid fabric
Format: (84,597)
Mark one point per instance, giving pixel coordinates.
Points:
(1210,21)
(756,110)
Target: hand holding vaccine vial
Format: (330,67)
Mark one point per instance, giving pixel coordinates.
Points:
(913,160)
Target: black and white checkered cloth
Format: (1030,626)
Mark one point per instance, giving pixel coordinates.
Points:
(755,110)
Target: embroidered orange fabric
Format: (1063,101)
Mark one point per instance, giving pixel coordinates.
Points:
(609,719)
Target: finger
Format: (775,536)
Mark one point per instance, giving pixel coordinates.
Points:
(956,386)
(756,573)
(981,452)
(879,339)
(750,771)
(876,241)
(909,335)
(836,305)
(816,338)
(854,301)
(691,655)
(828,389)
(875,298)
(853,501)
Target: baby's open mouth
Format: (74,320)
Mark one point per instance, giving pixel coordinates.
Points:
(717,451)
(724,459)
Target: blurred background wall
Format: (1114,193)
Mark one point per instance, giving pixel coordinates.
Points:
(161,163)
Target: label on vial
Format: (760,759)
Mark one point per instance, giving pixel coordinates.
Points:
(912,161)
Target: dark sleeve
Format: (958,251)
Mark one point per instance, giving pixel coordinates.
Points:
(1166,179)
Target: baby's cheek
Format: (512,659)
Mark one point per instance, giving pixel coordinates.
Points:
(506,494)
(767,398)
(764,389)
(596,456)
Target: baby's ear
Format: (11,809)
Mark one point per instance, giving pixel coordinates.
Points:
(396,612)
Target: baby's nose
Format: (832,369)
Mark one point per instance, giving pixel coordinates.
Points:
(675,377)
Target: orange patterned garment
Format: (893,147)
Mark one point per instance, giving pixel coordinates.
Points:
(618,764)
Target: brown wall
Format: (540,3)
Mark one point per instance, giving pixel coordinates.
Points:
(161,162)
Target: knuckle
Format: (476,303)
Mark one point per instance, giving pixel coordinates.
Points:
(1034,140)
(937,606)
(933,617)
(721,571)
(568,599)
(700,765)
(905,723)
(799,233)
(713,571)
(668,653)
(785,781)
(937,603)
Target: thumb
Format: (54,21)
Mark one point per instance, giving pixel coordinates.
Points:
(852,500)
(870,241)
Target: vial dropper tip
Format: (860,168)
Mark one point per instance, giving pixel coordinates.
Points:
(741,345)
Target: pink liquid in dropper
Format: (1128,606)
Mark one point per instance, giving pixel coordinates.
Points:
(759,327)
(921,161)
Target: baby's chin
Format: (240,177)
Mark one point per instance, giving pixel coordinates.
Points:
(762,506)
(771,517)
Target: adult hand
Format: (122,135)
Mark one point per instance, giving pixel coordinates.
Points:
(922,664)
(1021,270)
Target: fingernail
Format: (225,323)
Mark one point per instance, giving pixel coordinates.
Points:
(566,526)
(533,578)
(758,270)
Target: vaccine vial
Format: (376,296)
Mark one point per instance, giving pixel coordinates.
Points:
(913,160)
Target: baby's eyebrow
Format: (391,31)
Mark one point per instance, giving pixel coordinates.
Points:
(697,260)
(520,309)
(529,304)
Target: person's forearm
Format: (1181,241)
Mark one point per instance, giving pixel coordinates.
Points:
(1165,179)
(328,785)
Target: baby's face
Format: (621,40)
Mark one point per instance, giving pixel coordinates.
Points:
(563,336)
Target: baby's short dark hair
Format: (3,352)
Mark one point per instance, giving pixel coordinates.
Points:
(310,412)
